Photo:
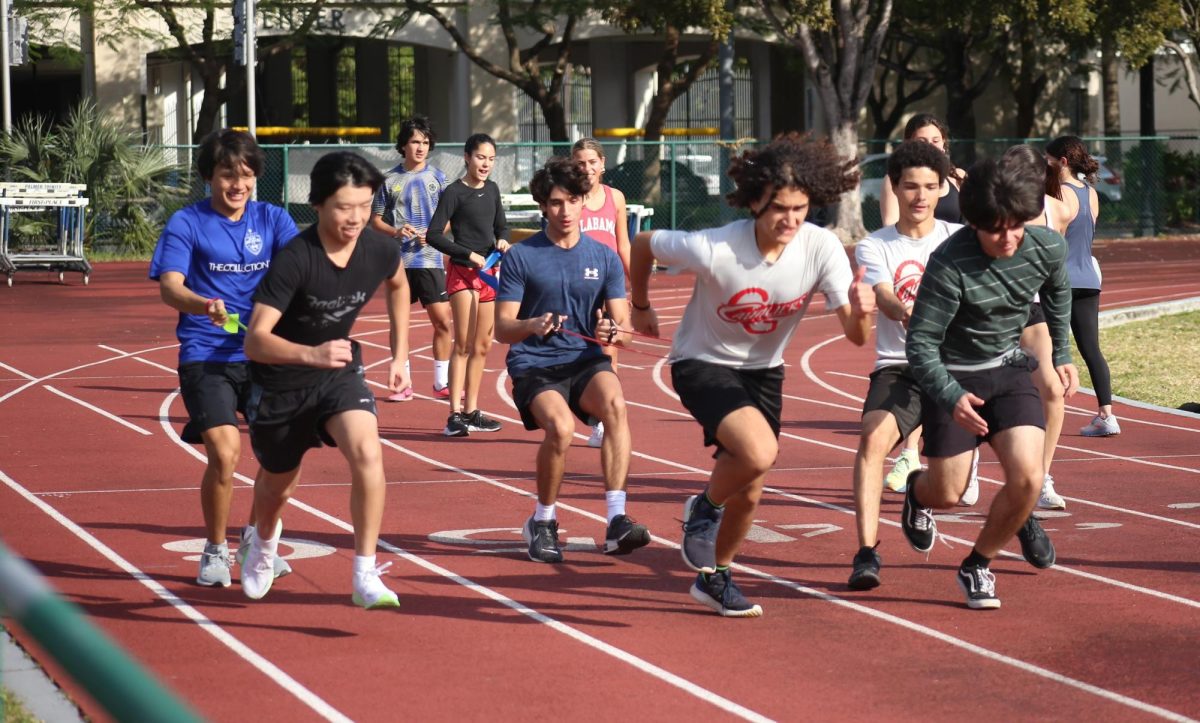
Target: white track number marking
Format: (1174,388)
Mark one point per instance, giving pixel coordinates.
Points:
(472,538)
(301,549)
(815,529)
(1184,505)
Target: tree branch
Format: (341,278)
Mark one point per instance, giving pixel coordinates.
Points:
(1189,72)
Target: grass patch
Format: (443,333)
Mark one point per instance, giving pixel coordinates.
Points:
(1155,361)
(13,710)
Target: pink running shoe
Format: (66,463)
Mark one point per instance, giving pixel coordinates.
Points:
(403,395)
(442,393)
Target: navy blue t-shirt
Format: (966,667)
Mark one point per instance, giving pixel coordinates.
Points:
(222,259)
(545,278)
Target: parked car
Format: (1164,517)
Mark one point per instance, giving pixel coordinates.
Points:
(873,168)
(627,178)
(1108,181)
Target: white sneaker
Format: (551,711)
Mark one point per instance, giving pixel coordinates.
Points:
(370,592)
(597,437)
(1102,427)
(282,567)
(971,495)
(1049,499)
(214,566)
(258,566)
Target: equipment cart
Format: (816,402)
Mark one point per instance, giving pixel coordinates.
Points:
(53,244)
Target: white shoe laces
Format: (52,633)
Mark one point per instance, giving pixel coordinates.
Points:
(986,580)
(370,579)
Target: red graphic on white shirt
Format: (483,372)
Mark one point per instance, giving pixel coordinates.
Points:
(752,308)
(908,280)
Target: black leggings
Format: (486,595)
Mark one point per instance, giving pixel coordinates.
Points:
(1085,325)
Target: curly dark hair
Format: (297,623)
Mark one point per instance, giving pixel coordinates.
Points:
(560,172)
(791,161)
(918,154)
(1073,149)
(999,194)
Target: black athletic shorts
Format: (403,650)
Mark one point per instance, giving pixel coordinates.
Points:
(711,392)
(1036,315)
(284,424)
(1010,400)
(427,286)
(893,389)
(569,380)
(213,394)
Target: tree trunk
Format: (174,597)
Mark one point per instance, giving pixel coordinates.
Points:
(849,226)
(556,118)
(210,107)
(960,98)
(1030,83)
(1110,97)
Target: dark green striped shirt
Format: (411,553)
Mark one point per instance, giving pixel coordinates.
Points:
(971,308)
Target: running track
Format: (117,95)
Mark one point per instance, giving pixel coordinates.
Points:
(99,493)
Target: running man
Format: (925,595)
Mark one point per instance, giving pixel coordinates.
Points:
(754,280)
(894,258)
(557,286)
(402,210)
(309,385)
(209,259)
(963,348)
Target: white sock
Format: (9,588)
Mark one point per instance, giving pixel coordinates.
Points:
(271,546)
(441,373)
(910,452)
(615,499)
(363,563)
(543,513)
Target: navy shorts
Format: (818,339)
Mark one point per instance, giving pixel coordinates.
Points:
(213,394)
(893,389)
(569,380)
(1010,400)
(711,392)
(284,424)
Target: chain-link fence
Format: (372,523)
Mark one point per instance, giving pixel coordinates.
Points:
(1146,186)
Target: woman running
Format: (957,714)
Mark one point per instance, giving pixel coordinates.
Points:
(603,218)
(1069,157)
(470,207)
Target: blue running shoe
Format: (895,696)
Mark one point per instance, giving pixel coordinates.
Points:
(720,593)
(700,524)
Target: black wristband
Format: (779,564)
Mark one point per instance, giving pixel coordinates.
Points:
(639,308)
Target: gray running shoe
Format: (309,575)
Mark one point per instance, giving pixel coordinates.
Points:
(719,593)
(700,524)
(1102,427)
(214,566)
(456,425)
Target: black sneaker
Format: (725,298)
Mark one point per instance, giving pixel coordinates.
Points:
(543,540)
(1036,546)
(624,536)
(866,569)
(456,425)
(720,593)
(700,524)
(917,522)
(979,584)
(477,422)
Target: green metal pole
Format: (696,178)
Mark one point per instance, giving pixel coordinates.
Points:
(286,178)
(110,676)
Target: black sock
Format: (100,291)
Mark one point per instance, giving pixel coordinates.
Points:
(976,560)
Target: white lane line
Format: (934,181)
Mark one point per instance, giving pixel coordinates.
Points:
(33,381)
(987,653)
(806,364)
(1060,568)
(595,643)
(18,372)
(97,410)
(285,681)
(861,377)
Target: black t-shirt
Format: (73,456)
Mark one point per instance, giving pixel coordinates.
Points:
(319,300)
(476,218)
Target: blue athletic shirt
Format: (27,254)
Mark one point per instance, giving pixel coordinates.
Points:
(222,259)
(548,278)
(411,197)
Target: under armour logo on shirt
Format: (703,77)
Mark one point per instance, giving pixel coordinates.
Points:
(590,273)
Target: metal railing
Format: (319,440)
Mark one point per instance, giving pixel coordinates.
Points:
(1147,186)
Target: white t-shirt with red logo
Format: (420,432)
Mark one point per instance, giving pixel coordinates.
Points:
(892,257)
(745,309)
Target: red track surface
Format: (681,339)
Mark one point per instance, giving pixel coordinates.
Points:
(483,633)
